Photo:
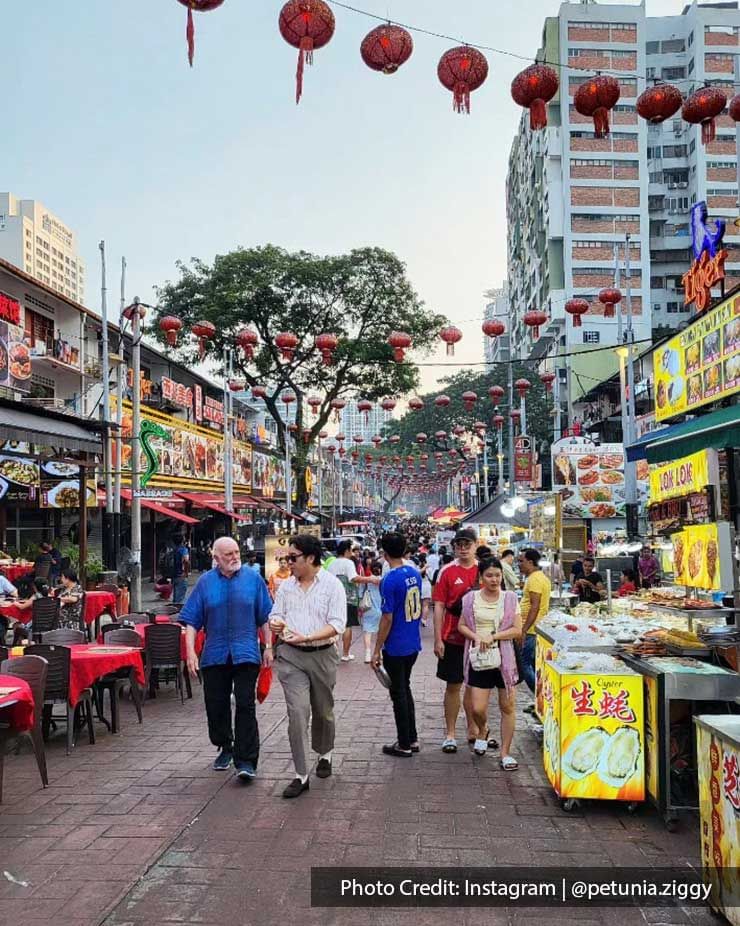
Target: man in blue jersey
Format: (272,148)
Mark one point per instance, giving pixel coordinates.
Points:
(399,639)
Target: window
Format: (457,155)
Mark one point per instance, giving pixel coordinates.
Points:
(673,73)
(725,30)
(653,48)
(672,45)
(727,191)
(623,54)
(675,151)
(654,152)
(673,307)
(656,176)
(591,337)
(691,39)
(692,146)
(722,165)
(657,282)
(691,66)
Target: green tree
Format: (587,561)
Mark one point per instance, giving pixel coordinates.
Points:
(360,297)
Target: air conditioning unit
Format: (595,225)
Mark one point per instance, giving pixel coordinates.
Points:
(683,185)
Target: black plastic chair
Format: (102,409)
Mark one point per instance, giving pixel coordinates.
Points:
(109,628)
(44,617)
(115,682)
(64,635)
(57,692)
(32,669)
(162,654)
(135,618)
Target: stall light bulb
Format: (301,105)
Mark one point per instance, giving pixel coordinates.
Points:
(549,511)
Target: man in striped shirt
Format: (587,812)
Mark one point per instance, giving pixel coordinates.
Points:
(309,614)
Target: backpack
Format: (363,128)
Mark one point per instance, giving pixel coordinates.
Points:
(167,563)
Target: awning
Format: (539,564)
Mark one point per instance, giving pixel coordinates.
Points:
(263,503)
(490,513)
(211,503)
(716,431)
(47,430)
(160,508)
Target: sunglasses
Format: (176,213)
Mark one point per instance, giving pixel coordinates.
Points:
(294,557)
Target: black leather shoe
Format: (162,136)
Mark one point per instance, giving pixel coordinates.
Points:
(296,788)
(323,769)
(395,750)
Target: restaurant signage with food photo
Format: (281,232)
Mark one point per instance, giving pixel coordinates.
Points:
(10,309)
(701,364)
(20,478)
(15,358)
(590,478)
(696,557)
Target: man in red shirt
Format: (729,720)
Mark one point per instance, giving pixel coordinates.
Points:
(453,582)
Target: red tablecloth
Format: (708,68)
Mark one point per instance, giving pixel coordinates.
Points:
(90,661)
(14,613)
(13,573)
(16,707)
(97,603)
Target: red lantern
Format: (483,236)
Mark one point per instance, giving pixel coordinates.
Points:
(286,342)
(306,25)
(458,430)
(498,421)
(533,89)
(358,438)
(200,6)
(609,296)
(332,448)
(496,393)
(314,403)
(534,319)
(469,398)
(400,342)
(421,438)
(337,405)
(377,441)
(259,392)
(595,98)
(247,340)
(323,435)
(364,406)
(306,435)
(293,428)
(388,405)
(340,437)
(548,379)
(521,386)
(442,401)
(462,70)
(386,48)
(288,398)
(450,335)
(515,415)
(492,328)
(170,324)
(576,308)
(204,331)
(480,425)
(236,385)
(702,108)
(394,439)
(735,108)
(327,344)
(440,435)
(415,404)
(659,103)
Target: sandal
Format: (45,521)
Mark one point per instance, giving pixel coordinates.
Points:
(509,763)
(449,745)
(480,747)
(492,743)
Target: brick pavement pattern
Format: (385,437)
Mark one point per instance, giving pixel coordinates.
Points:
(138,829)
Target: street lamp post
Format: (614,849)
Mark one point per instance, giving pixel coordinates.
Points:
(630,474)
(135,312)
(512,487)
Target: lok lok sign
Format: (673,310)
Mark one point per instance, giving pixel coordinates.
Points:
(708,268)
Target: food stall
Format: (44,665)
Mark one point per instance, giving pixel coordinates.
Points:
(718,752)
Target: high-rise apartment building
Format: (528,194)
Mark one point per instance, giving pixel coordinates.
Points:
(572,198)
(496,350)
(39,243)
(353,422)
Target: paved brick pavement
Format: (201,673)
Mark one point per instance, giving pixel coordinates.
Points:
(138,829)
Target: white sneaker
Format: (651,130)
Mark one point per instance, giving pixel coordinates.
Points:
(347,658)
(480,747)
(368,656)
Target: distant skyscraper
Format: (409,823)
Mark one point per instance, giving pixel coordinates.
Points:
(353,422)
(40,244)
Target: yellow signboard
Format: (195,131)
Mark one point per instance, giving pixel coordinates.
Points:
(719,804)
(681,477)
(696,557)
(593,739)
(652,737)
(701,364)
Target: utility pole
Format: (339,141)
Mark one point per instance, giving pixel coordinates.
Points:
(512,486)
(228,455)
(120,373)
(108,547)
(630,474)
(486,497)
(135,312)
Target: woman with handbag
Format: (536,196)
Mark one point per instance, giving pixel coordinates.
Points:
(370,610)
(490,622)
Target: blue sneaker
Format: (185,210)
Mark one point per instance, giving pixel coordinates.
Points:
(223,761)
(245,771)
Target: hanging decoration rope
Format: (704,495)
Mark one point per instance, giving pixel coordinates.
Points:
(306,25)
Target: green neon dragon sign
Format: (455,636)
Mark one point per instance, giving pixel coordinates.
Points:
(147,431)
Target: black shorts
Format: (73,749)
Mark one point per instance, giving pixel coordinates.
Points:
(450,668)
(353,619)
(485,678)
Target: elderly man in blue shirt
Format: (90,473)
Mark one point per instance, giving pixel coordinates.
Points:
(232,604)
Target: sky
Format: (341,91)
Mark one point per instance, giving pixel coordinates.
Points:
(115,134)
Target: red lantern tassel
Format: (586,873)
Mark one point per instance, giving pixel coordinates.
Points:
(708,129)
(305,56)
(190,35)
(601,123)
(201,348)
(609,310)
(461,98)
(576,321)
(450,350)
(537,115)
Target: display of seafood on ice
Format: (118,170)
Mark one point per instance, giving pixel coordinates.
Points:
(619,757)
(583,755)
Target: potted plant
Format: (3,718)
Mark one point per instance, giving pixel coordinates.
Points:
(93,568)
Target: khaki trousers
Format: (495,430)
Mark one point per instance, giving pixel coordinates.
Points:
(308,679)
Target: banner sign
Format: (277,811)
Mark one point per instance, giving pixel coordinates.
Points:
(523,459)
(680,477)
(701,364)
(708,268)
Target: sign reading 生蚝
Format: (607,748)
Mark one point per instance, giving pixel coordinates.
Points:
(701,364)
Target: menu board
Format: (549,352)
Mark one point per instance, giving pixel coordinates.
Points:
(15,358)
(669,516)
(60,486)
(544,521)
(590,479)
(701,364)
(696,559)
(19,478)
(268,476)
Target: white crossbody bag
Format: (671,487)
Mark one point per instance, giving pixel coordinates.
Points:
(489,658)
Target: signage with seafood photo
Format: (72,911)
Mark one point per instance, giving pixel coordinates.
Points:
(188,457)
(19,478)
(590,478)
(701,364)
(60,486)
(15,358)
(684,476)
(593,734)
(696,557)
(268,477)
